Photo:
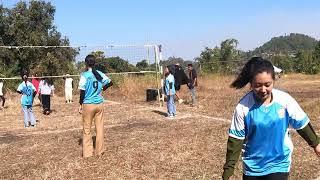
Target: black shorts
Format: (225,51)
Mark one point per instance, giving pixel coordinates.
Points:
(273,176)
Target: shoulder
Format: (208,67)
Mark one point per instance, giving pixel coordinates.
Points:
(281,97)
(246,102)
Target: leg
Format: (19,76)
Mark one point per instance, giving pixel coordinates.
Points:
(66,94)
(170,105)
(173,106)
(99,130)
(3,100)
(43,102)
(70,94)
(25,116)
(193,95)
(87,116)
(49,104)
(31,116)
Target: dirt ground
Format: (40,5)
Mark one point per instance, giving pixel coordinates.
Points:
(141,143)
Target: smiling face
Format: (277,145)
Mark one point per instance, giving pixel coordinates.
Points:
(262,85)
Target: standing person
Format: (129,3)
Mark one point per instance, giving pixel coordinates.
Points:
(1,94)
(193,82)
(46,90)
(28,92)
(170,91)
(92,82)
(68,88)
(36,83)
(39,93)
(261,122)
(180,79)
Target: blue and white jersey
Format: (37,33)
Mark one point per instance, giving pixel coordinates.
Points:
(27,90)
(92,87)
(169,79)
(264,129)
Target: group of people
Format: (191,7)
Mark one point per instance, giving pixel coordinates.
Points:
(174,78)
(259,127)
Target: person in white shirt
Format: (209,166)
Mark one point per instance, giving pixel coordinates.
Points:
(68,88)
(1,94)
(46,90)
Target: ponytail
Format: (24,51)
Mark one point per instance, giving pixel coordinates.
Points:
(96,74)
(254,66)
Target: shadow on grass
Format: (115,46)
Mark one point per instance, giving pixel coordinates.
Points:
(160,112)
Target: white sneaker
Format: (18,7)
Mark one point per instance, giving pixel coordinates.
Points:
(180,101)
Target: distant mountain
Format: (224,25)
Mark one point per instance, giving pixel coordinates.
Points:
(288,44)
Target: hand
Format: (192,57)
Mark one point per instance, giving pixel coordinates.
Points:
(317,150)
(170,94)
(80,109)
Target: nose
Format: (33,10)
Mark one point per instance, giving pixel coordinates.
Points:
(263,89)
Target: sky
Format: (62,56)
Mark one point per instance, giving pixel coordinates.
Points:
(183,27)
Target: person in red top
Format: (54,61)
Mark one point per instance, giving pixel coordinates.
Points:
(36,81)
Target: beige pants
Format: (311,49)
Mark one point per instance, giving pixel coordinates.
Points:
(68,94)
(92,112)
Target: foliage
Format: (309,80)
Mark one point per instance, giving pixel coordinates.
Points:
(31,24)
(223,59)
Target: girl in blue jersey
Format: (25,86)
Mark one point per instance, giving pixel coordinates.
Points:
(260,125)
(91,84)
(169,90)
(28,92)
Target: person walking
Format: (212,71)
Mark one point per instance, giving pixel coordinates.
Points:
(260,125)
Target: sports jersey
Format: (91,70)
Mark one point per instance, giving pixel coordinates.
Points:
(46,89)
(92,87)
(264,129)
(169,79)
(27,90)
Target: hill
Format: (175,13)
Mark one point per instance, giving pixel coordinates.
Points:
(288,44)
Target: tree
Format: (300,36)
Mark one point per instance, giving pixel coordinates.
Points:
(142,65)
(31,24)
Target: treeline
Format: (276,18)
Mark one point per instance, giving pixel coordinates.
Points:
(32,24)
(293,53)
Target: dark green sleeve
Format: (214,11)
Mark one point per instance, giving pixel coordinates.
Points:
(308,134)
(234,147)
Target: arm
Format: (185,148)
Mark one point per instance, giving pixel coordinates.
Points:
(234,147)
(195,81)
(309,135)
(82,94)
(299,120)
(170,87)
(107,86)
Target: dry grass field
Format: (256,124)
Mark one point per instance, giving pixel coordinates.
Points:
(140,142)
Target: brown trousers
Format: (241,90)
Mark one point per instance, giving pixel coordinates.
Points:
(92,112)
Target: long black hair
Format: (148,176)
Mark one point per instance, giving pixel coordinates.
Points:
(90,62)
(253,67)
